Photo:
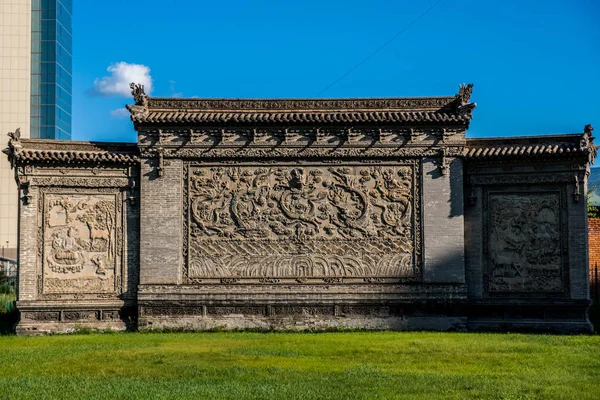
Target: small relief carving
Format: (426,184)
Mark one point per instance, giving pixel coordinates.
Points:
(79,244)
(524,243)
(302,222)
(65,256)
(41,316)
(80,315)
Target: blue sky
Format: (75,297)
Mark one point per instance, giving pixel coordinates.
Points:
(535,65)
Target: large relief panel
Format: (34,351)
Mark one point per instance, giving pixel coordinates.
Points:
(526,242)
(303,223)
(80,247)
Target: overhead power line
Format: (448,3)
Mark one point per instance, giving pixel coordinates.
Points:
(380,47)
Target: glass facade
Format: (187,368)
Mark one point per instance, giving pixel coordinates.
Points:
(51,63)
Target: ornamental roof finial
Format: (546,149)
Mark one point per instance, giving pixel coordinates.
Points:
(587,141)
(14,146)
(464,93)
(139,95)
(16,135)
(140,108)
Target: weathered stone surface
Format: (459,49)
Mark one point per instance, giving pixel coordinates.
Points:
(304,215)
(301,223)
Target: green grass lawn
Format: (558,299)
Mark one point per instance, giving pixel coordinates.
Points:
(352,365)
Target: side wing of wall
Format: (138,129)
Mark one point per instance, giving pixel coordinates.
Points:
(78,239)
(526,241)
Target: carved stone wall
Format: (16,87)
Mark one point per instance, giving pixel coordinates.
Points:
(81,241)
(526,237)
(299,224)
(303,214)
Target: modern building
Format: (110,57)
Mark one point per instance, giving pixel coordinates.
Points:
(35,87)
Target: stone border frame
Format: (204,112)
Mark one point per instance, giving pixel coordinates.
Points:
(121,273)
(417,221)
(534,189)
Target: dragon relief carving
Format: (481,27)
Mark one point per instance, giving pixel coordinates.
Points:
(316,222)
(525,243)
(79,243)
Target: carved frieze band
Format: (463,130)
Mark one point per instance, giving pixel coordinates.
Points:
(99,171)
(80,243)
(91,182)
(507,178)
(308,104)
(303,223)
(299,138)
(361,153)
(525,242)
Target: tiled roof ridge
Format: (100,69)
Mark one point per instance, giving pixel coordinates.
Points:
(273,117)
(580,144)
(75,156)
(446,109)
(25,150)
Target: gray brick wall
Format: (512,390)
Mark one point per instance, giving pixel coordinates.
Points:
(443,223)
(28,248)
(578,245)
(161,224)
(473,239)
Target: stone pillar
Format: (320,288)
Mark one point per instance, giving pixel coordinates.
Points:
(443,222)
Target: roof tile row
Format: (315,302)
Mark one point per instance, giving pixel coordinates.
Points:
(535,150)
(297,117)
(75,156)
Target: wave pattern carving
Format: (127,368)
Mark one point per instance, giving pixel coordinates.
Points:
(302,222)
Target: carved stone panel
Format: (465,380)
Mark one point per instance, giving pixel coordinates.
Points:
(526,242)
(303,223)
(80,243)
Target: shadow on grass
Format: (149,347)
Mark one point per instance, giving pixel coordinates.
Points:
(8,322)
(595,316)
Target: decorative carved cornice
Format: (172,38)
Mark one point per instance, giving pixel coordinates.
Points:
(328,153)
(507,179)
(87,182)
(298,142)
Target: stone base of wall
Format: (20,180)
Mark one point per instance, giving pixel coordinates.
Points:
(45,318)
(301,317)
(567,317)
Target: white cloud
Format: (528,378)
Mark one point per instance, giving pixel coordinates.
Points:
(121,75)
(120,113)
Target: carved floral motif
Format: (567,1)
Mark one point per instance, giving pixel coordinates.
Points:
(311,221)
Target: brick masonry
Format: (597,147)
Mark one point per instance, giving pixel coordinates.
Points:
(461,234)
(594,242)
